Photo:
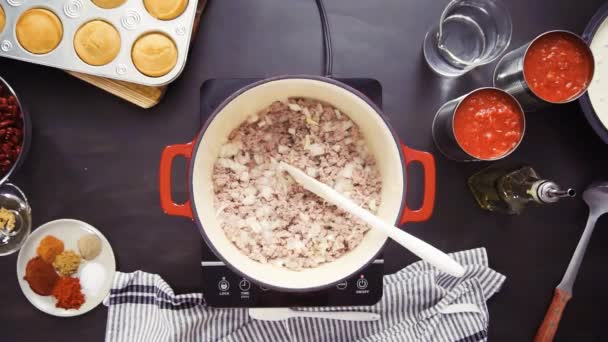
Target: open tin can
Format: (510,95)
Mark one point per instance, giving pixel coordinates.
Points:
(444,131)
(509,74)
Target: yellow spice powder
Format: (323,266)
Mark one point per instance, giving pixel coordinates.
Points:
(7,219)
(66,263)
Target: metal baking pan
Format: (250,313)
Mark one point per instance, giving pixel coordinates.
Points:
(131,19)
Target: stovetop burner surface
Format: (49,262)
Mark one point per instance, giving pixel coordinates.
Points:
(222,287)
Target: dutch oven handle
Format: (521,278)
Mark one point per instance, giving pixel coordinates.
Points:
(166,164)
(428,200)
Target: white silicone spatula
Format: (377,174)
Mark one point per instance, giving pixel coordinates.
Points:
(422,249)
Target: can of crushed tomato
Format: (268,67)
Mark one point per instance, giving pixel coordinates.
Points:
(555,67)
(484,125)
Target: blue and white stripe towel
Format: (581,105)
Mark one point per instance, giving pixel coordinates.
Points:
(419,304)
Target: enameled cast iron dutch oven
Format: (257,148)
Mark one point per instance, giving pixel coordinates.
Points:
(392,158)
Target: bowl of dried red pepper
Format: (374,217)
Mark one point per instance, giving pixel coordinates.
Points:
(15,131)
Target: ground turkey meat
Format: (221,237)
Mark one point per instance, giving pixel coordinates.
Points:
(265,213)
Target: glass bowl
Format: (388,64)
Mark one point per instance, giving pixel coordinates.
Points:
(14,200)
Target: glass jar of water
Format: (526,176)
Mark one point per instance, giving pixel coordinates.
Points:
(470,33)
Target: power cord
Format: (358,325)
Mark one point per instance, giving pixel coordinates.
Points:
(328,53)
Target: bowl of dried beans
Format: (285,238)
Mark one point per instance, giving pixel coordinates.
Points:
(15,131)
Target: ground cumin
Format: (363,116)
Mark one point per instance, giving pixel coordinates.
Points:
(67,263)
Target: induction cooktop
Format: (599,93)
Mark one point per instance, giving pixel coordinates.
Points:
(222,287)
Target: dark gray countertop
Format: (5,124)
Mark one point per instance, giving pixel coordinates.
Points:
(95,157)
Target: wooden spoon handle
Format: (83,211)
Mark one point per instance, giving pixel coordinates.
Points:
(548,328)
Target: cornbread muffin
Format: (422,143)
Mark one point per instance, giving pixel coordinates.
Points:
(97,42)
(165,9)
(2,19)
(107,4)
(154,54)
(39,31)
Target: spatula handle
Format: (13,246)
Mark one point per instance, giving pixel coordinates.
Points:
(548,328)
(341,315)
(422,249)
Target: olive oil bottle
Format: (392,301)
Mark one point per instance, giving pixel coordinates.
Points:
(511,190)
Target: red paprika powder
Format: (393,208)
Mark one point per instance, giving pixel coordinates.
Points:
(68,294)
(41,276)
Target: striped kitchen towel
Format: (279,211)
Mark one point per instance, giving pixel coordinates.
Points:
(419,304)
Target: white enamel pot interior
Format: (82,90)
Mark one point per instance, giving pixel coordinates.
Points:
(204,151)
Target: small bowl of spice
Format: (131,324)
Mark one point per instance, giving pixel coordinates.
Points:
(66,268)
(15,219)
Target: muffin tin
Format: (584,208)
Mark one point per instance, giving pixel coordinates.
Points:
(131,19)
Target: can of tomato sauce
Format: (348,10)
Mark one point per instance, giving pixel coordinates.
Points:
(555,67)
(484,125)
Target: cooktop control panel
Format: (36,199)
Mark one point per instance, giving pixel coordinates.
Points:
(224,288)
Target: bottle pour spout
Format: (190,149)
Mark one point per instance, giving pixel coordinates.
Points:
(563,193)
(549,192)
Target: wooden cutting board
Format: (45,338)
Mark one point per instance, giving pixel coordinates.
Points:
(141,95)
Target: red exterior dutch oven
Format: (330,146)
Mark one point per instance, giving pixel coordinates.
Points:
(392,158)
